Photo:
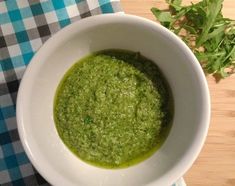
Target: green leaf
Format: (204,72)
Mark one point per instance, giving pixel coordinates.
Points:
(215,32)
(162,16)
(203,56)
(175,4)
(190,29)
(215,66)
(205,25)
(223,73)
(231,53)
(213,9)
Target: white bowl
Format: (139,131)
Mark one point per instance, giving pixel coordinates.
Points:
(35,121)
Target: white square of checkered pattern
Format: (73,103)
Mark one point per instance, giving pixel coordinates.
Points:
(3,8)
(92,4)
(51,17)
(29,23)
(36,44)
(22,4)
(41,1)
(72,10)
(4,176)
(19,71)
(26,170)
(7,29)
(14,50)
(2,78)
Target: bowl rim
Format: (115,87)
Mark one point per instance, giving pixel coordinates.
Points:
(179,169)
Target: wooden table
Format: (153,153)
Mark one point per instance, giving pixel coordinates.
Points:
(215,165)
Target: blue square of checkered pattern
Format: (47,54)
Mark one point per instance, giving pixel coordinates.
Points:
(15,15)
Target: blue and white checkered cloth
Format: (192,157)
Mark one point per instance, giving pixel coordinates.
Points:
(24,26)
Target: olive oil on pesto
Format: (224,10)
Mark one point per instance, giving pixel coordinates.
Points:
(113,108)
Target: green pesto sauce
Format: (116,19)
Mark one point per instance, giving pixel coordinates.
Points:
(113,108)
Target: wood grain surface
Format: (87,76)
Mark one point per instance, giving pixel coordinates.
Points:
(215,165)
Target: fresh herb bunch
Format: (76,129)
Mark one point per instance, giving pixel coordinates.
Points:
(203,28)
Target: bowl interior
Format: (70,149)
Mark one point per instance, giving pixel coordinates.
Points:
(35,102)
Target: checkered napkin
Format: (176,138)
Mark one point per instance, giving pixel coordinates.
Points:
(24,26)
